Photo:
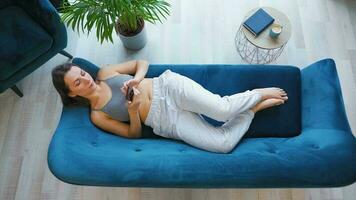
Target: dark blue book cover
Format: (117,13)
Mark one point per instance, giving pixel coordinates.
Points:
(258,22)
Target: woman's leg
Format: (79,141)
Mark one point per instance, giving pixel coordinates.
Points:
(190,96)
(194,130)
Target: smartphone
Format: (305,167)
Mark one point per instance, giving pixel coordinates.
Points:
(130,93)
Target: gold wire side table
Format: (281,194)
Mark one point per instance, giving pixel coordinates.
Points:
(262,49)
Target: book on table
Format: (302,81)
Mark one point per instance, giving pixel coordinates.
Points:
(258,22)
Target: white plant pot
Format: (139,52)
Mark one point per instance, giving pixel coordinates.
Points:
(135,42)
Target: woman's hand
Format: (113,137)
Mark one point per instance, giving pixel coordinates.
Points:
(130,83)
(134,105)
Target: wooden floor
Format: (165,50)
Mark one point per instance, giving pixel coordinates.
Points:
(198,31)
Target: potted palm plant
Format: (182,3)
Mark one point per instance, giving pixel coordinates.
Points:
(126,17)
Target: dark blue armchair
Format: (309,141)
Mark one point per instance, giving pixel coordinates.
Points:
(31,33)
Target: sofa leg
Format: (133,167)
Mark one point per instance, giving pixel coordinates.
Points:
(64,53)
(17,90)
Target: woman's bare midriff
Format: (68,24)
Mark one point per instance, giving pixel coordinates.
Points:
(145,87)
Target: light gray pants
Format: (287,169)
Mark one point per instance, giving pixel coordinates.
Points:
(177,103)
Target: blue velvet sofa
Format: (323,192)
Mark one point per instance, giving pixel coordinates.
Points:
(307,142)
(31,33)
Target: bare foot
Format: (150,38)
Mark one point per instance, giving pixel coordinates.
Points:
(267,104)
(272,92)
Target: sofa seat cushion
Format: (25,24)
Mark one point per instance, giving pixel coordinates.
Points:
(22,40)
(81,154)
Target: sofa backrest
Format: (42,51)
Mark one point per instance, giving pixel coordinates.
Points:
(280,121)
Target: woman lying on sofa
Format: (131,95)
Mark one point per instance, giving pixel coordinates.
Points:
(171,104)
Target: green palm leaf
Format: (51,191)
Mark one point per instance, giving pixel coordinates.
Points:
(102,15)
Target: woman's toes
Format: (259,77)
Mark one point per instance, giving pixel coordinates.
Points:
(280,102)
(281,96)
(285,98)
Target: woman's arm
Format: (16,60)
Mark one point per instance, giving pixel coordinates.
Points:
(134,67)
(141,70)
(133,109)
(118,128)
(135,124)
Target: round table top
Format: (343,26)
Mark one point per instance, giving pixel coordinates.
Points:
(263,40)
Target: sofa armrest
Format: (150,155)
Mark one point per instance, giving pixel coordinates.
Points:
(322,102)
(43,12)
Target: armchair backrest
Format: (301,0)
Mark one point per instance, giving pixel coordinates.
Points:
(39,10)
(44,13)
(5,3)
